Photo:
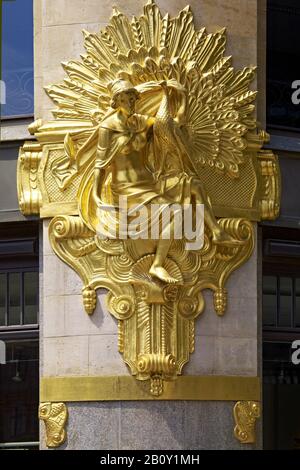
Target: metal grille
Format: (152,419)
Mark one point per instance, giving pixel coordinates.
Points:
(226,191)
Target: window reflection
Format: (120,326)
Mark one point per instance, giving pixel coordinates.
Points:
(285,311)
(19,298)
(17,57)
(281,301)
(297,303)
(14,288)
(19,392)
(283,55)
(270,300)
(2,299)
(30,298)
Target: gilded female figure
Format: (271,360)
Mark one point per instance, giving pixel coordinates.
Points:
(145,160)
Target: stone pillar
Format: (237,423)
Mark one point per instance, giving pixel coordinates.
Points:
(74,344)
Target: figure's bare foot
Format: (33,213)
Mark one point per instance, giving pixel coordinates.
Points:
(162,274)
(224,239)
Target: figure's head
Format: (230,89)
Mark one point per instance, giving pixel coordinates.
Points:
(123,95)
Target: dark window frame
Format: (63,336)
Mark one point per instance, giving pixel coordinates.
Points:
(23,259)
(280,265)
(21,325)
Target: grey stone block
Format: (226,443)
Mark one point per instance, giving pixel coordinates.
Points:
(153,425)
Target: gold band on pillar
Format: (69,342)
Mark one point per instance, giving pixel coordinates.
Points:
(125,388)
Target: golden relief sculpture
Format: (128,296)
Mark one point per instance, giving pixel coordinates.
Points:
(154,115)
(55,417)
(245,415)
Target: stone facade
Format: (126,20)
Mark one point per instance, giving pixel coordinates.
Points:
(74,344)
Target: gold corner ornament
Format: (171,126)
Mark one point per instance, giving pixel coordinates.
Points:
(55,417)
(245,415)
(154,114)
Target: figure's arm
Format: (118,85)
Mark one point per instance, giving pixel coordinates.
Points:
(102,155)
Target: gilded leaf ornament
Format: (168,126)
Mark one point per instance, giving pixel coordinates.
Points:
(153,112)
(246,414)
(55,416)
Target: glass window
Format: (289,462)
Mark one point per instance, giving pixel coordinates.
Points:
(19,392)
(19,298)
(285,302)
(269,300)
(17,58)
(297,303)
(14,289)
(31,298)
(8,171)
(290,171)
(283,57)
(281,301)
(19,377)
(3,299)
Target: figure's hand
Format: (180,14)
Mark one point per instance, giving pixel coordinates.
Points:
(172,83)
(180,119)
(163,84)
(96,116)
